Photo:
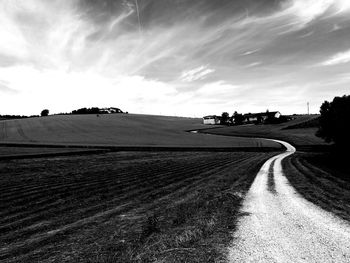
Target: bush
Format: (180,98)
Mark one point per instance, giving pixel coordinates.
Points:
(44,112)
(335,121)
(225,117)
(237,118)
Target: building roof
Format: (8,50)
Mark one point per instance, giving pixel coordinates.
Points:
(261,114)
(211,117)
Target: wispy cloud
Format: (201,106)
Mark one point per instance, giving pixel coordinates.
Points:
(196,74)
(254,64)
(250,52)
(189,54)
(340,58)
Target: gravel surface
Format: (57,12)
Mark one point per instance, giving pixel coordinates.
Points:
(281,226)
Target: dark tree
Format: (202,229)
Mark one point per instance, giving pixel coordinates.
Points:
(335,121)
(44,112)
(93,110)
(238,118)
(225,117)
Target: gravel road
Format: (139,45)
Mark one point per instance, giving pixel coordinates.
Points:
(279,225)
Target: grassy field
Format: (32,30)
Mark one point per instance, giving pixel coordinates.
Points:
(117,129)
(321,178)
(318,173)
(123,207)
(290,132)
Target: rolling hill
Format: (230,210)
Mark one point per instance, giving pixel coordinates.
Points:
(300,131)
(118,130)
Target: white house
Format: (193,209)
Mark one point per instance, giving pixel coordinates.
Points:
(211,120)
(111,110)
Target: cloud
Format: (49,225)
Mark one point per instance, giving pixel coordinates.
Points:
(4,87)
(254,64)
(307,34)
(340,58)
(196,74)
(294,15)
(49,49)
(307,10)
(343,6)
(250,52)
(64,91)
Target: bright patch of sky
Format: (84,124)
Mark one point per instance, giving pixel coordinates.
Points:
(340,58)
(189,58)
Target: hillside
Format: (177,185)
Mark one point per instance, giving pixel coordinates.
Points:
(117,130)
(298,132)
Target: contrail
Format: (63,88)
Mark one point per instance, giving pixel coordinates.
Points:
(138,14)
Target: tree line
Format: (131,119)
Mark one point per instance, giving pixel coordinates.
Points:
(334,122)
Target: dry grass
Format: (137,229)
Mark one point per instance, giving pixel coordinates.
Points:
(123,207)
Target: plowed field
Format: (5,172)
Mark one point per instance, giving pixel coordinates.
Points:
(66,209)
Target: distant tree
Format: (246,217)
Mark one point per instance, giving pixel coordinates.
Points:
(259,119)
(224,118)
(238,118)
(335,121)
(44,112)
(93,110)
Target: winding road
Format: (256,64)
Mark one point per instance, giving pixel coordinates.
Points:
(278,225)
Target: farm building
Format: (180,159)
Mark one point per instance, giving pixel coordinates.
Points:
(211,119)
(111,110)
(261,117)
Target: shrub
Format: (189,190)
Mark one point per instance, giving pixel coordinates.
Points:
(44,112)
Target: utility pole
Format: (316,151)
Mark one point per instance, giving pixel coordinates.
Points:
(308,108)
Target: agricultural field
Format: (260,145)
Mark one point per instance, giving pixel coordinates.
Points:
(322,178)
(13,152)
(123,207)
(318,173)
(150,205)
(296,132)
(117,130)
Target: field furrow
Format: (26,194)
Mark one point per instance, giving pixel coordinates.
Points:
(59,203)
(26,198)
(167,179)
(32,216)
(160,179)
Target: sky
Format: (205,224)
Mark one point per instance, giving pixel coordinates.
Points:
(173,57)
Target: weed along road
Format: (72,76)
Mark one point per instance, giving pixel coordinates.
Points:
(278,225)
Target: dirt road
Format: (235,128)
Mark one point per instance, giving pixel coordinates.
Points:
(280,226)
